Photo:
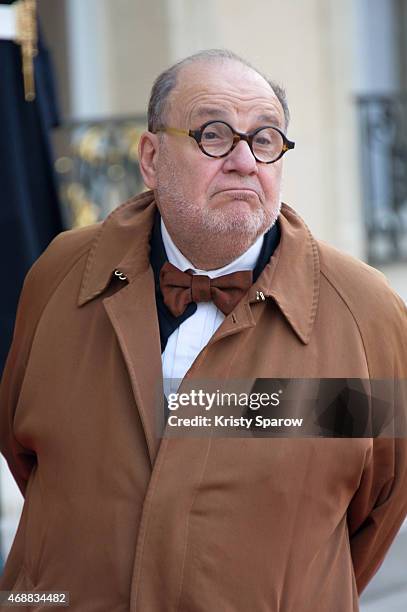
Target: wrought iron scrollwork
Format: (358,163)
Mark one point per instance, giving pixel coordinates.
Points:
(100,169)
(383,122)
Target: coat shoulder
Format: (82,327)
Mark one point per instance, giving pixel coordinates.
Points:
(71,244)
(44,276)
(62,253)
(379,312)
(361,286)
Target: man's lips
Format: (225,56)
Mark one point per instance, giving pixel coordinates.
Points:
(237,191)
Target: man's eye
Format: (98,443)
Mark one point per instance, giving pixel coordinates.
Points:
(210,135)
(263,141)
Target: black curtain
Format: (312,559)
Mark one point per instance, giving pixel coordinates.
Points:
(30,214)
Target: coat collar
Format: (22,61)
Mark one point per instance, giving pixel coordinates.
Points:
(291,277)
(122,243)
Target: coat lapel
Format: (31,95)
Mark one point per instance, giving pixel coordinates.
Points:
(122,244)
(132,313)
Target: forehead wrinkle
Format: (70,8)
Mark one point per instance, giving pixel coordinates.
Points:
(229,84)
(202,105)
(207,111)
(214,111)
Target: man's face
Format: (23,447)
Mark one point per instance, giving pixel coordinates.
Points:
(234,195)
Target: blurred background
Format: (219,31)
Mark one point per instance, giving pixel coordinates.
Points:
(69,156)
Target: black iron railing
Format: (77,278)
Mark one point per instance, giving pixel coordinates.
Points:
(383,121)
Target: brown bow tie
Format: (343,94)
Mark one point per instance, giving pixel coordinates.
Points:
(180,288)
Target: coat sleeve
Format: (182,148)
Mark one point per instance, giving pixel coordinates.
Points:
(40,283)
(379,507)
(20,460)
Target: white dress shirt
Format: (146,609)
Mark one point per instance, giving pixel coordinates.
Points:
(187,341)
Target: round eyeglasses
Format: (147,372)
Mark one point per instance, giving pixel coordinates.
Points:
(218,138)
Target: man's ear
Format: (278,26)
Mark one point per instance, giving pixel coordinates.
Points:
(147,155)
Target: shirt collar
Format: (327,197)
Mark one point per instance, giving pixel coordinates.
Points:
(245,261)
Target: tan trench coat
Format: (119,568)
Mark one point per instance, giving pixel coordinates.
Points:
(126,521)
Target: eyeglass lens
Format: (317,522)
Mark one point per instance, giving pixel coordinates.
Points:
(217,139)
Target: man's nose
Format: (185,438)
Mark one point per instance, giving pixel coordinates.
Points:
(241,160)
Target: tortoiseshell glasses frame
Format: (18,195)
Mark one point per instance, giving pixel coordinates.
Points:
(236,137)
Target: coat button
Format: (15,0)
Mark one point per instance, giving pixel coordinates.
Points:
(120,275)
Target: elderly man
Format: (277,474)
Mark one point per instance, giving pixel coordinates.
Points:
(206,276)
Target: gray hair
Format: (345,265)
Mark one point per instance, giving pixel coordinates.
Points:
(167,80)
